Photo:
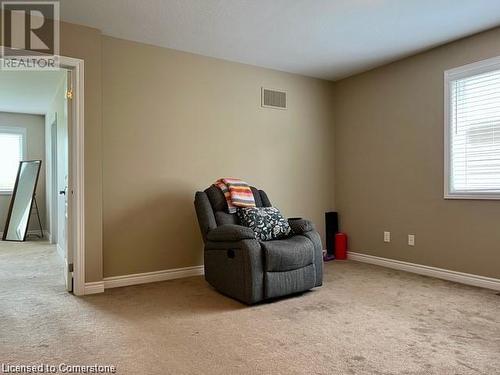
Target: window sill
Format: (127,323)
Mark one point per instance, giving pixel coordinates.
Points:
(473,196)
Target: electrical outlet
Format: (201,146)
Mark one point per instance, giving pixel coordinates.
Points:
(411,240)
(387,236)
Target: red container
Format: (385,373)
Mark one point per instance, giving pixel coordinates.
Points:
(341,246)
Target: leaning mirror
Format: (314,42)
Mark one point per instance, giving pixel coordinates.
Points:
(21,203)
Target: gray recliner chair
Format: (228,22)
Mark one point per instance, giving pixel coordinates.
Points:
(241,267)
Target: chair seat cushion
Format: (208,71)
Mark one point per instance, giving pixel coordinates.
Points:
(289,254)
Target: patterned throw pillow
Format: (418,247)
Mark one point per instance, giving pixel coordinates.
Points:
(266,222)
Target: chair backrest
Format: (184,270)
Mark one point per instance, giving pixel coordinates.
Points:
(219,204)
(211,208)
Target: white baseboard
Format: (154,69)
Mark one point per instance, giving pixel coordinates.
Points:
(151,277)
(37,232)
(46,233)
(142,278)
(94,287)
(440,273)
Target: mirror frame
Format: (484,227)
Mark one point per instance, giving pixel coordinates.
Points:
(12,200)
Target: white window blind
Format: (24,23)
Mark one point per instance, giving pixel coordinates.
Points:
(474,133)
(11,153)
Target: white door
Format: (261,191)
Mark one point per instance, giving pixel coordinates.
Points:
(64,184)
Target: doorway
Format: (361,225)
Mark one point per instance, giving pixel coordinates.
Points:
(63,216)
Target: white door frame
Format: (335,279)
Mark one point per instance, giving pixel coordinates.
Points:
(76,192)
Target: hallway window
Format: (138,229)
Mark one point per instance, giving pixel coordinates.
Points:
(12,151)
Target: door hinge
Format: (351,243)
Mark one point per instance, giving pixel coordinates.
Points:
(69,94)
(70,267)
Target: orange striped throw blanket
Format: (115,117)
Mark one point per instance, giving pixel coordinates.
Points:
(236,192)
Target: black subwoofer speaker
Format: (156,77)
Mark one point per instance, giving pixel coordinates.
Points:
(332,228)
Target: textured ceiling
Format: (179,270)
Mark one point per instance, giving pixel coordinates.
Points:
(328,39)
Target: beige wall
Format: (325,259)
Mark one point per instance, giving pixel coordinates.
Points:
(35,148)
(172,119)
(389,165)
(173,122)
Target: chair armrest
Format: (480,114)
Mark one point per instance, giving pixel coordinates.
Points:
(301,226)
(230,232)
(236,269)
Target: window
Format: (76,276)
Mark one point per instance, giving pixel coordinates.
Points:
(12,151)
(472,131)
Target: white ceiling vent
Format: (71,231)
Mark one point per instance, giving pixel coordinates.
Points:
(272,98)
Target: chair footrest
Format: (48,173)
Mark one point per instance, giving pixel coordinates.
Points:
(279,284)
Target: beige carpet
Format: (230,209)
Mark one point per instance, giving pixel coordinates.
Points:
(364,320)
